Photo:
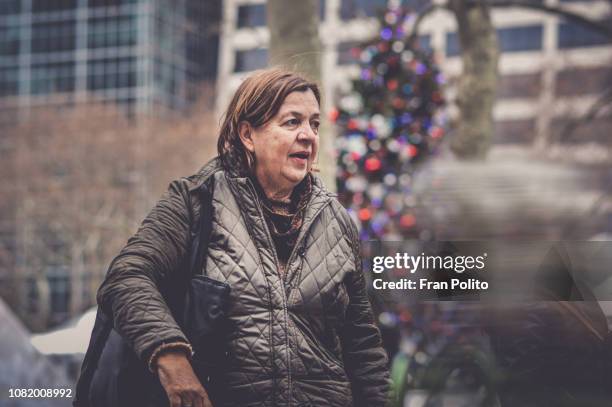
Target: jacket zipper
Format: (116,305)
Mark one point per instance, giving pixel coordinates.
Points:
(284,296)
(283,276)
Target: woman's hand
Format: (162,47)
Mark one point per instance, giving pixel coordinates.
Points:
(180,382)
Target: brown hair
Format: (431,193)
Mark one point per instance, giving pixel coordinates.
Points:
(257,100)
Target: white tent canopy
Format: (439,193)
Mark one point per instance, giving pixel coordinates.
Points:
(72,337)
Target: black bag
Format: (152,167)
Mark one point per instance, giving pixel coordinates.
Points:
(113,376)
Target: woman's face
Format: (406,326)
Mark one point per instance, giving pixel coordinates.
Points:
(286,146)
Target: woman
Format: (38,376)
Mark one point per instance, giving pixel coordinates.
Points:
(302,327)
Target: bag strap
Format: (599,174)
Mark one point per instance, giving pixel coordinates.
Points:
(199,245)
(104,325)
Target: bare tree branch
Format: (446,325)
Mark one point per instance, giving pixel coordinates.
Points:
(423,14)
(560,11)
(605,99)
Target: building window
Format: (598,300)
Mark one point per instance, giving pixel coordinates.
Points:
(511,39)
(452,44)
(111,32)
(58,279)
(10,7)
(596,130)
(350,9)
(53,36)
(52,78)
(515,39)
(9,81)
(574,35)
(106,3)
(519,86)
(111,73)
(424,42)
(514,131)
(252,15)
(53,5)
(9,40)
(583,81)
(322,10)
(251,59)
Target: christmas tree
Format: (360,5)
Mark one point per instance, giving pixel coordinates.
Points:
(389,123)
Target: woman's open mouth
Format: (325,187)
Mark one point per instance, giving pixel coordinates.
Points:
(300,156)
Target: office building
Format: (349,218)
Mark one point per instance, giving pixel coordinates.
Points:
(147,56)
(551,70)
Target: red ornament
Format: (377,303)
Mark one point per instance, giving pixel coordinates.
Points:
(436,132)
(364,214)
(392,84)
(398,103)
(352,124)
(405,316)
(412,150)
(407,221)
(333,114)
(372,164)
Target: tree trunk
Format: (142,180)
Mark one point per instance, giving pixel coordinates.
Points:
(295,44)
(294,36)
(478,81)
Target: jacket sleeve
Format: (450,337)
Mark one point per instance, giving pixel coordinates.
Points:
(365,359)
(130,293)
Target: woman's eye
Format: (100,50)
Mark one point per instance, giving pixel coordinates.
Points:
(315,126)
(292,122)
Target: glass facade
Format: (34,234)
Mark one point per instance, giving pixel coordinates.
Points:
(53,36)
(510,39)
(251,59)
(254,15)
(183,41)
(516,39)
(8,7)
(106,3)
(251,15)
(53,5)
(574,35)
(52,78)
(452,44)
(350,9)
(9,40)
(106,32)
(9,81)
(115,73)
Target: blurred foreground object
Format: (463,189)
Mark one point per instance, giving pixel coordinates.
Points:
(22,366)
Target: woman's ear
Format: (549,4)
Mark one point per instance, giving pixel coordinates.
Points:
(245,131)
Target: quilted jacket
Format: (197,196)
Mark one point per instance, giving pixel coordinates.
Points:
(307,338)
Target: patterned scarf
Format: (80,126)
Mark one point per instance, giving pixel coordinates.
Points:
(284,219)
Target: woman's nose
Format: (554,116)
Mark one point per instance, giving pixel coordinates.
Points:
(307,133)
